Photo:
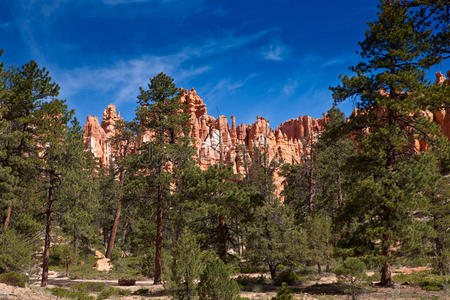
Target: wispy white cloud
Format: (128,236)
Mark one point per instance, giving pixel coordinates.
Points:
(122,78)
(275,51)
(340,60)
(290,87)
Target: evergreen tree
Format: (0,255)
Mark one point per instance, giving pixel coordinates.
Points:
(54,163)
(390,87)
(332,150)
(162,115)
(183,270)
(122,144)
(274,238)
(215,282)
(78,194)
(25,90)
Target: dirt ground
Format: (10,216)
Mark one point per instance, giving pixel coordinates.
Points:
(318,289)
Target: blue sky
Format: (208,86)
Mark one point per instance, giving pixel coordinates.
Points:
(272,58)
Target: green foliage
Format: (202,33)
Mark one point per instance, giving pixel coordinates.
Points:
(352,270)
(387,175)
(319,244)
(162,113)
(253,284)
(63,254)
(283,293)
(13,278)
(184,268)
(111,291)
(425,280)
(15,253)
(274,238)
(65,293)
(215,282)
(286,276)
(82,291)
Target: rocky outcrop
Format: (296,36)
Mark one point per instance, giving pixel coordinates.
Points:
(96,136)
(442,116)
(215,139)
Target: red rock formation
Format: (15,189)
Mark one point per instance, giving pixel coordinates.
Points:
(96,136)
(216,140)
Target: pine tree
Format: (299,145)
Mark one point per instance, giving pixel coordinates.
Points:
(26,89)
(388,175)
(331,153)
(54,163)
(77,206)
(183,270)
(162,115)
(274,238)
(122,144)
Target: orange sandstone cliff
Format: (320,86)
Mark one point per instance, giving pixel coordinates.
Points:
(217,139)
(288,142)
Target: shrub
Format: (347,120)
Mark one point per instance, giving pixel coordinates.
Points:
(64,293)
(287,276)
(15,254)
(63,254)
(111,291)
(352,270)
(426,280)
(252,284)
(183,268)
(216,284)
(12,278)
(283,293)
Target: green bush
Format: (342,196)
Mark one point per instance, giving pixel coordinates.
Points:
(253,284)
(111,291)
(147,265)
(77,295)
(141,292)
(283,293)
(287,276)
(216,284)
(15,253)
(425,280)
(12,278)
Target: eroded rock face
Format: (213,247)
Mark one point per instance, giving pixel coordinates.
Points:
(217,140)
(96,136)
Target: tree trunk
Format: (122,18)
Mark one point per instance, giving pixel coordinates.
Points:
(112,237)
(273,271)
(442,269)
(124,233)
(8,218)
(386,279)
(340,197)
(114,230)
(222,237)
(159,238)
(319,268)
(48,230)
(76,244)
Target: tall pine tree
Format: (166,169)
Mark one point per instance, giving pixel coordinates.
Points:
(388,175)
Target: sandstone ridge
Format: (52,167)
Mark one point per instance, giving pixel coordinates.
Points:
(216,139)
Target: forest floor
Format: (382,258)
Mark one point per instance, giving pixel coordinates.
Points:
(325,287)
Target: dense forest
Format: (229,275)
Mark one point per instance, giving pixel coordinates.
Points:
(364,197)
